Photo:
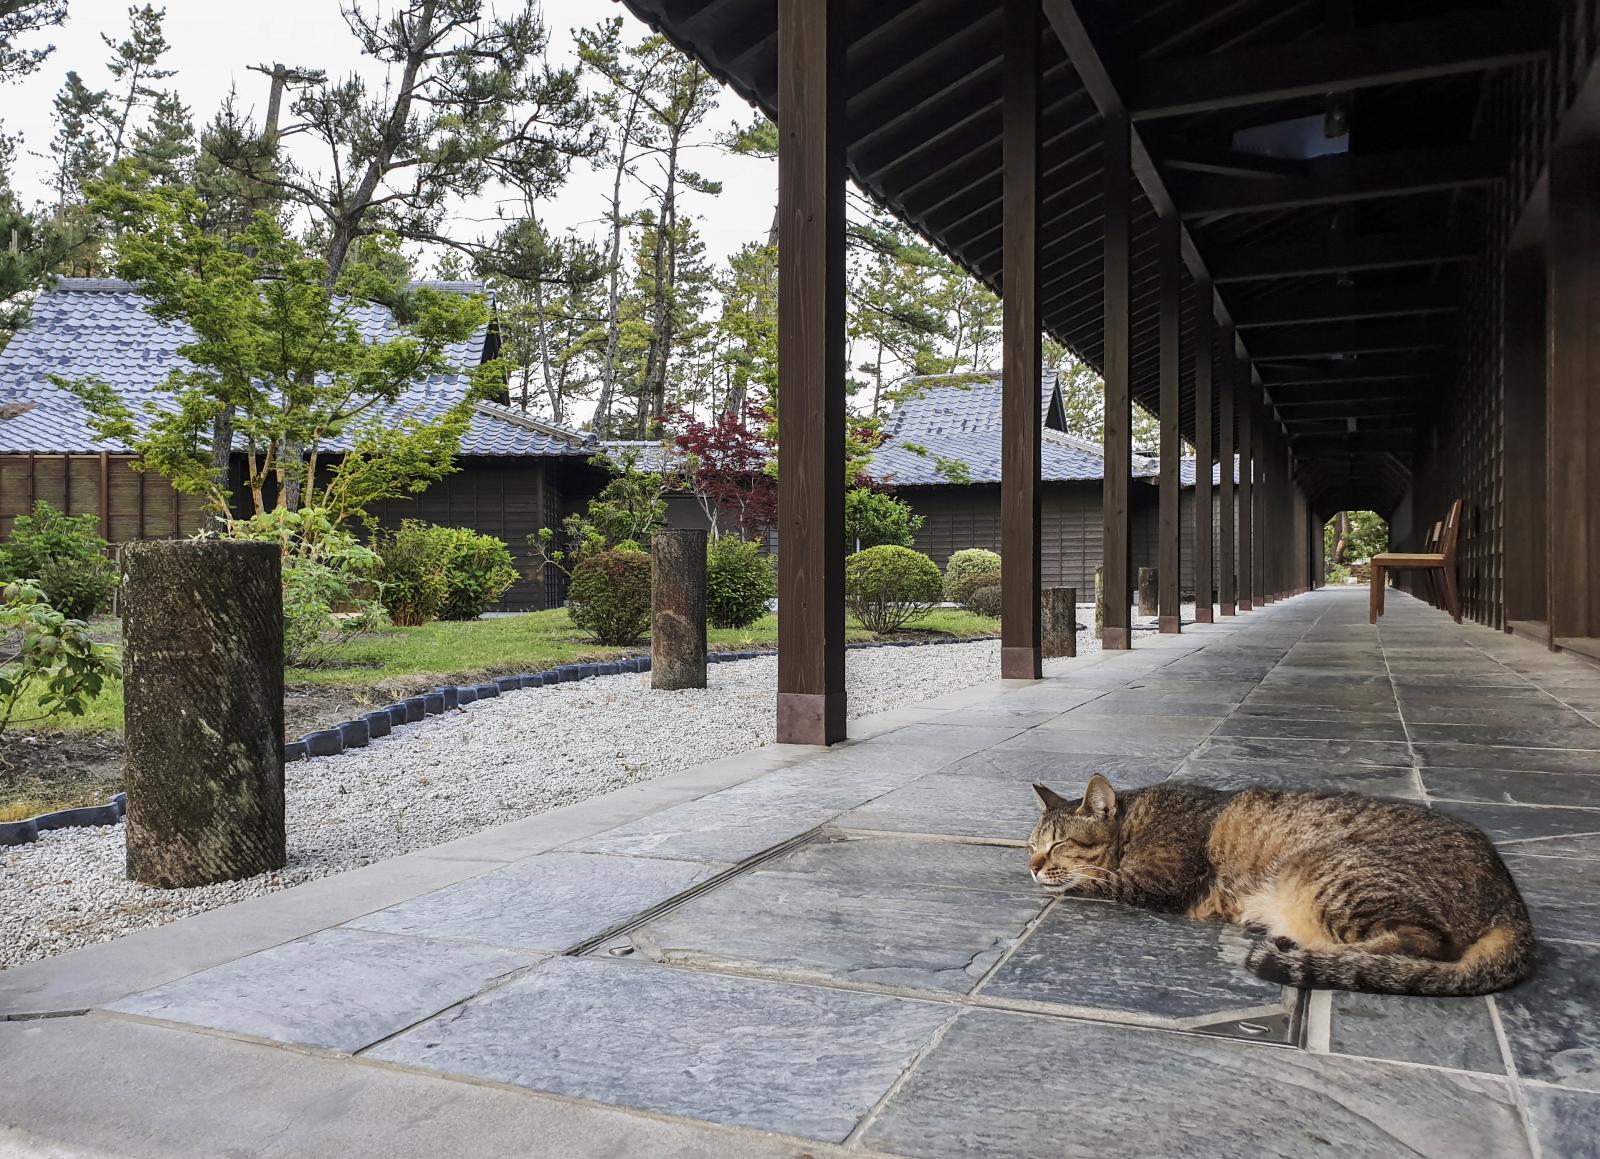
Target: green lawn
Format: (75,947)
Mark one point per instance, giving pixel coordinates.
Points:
(443,652)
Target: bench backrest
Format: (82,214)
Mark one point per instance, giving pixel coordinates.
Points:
(1448,536)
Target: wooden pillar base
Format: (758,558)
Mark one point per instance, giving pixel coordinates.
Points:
(1116,640)
(1171,625)
(1021,664)
(814,718)
(1244,605)
(1203,615)
(1227,609)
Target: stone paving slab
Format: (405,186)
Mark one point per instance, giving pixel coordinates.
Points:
(1373,781)
(1509,825)
(1566,1123)
(337,990)
(1552,1021)
(795,1059)
(1450,1032)
(549,902)
(1493,786)
(1066,772)
(1106,957)
(951,803)
(1005,1085)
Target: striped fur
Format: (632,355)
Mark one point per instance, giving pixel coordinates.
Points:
(1347,892)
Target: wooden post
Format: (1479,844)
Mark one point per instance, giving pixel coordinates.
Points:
(811,366)
(203,710)
(1059,621)
(1204,586)
(1021,426)
(105,496)
(678,608)
(1116,539)
(1168,550)
(1227,550)
(1246,413)
(1149,588)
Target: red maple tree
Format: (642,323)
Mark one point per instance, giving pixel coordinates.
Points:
(726,466)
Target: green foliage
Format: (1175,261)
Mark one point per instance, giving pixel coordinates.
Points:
(448,573)
(983,599)
(609,597)
(47,659)
(1337,573)
(873,518)
(1354,536)
(967,571)
(887,587)
(628,508)
(64,556)
(328,580)
(739,582)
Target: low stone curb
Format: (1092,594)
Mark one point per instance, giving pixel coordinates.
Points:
(360,732)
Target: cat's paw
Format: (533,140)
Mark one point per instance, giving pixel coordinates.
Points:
(1285,945)
(1255,929)
(1278,960)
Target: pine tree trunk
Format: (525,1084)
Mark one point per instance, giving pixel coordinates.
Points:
(203,695)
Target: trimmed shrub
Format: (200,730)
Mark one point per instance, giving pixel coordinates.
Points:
(984,599)
(968,570)
(739,582)
(887,587)
(609,596)
(874,518)
(64,556)
(442,573)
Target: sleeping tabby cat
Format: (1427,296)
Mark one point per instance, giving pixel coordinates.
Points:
(1347,891)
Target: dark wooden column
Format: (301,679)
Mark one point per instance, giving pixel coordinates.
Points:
(1246,406)
(1527,591)
(1117,539)
(811,369)
(1020,366)
(1204,588)
(1168,554)
(1227,449)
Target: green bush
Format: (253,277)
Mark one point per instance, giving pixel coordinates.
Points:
(875,518)
(984,599)
(64,556)
(968,570)
(739,582)
(441,573)
(609,596)
(48,663)
(887,587)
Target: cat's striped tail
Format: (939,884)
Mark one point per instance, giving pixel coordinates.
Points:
(1502,956)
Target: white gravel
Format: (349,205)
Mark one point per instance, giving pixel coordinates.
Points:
(492,762)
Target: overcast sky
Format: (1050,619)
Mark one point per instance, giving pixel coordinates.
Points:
(214,42)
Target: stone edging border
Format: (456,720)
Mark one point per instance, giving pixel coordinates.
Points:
(360,732)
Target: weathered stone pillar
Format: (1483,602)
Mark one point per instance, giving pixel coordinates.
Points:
(1060,620)
(678,608)
(1149,588)
(203,695)
(1099,602)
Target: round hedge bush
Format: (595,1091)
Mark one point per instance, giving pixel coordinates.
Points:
(967,570)
(887,587)
(739,582)
(64,556)
(609,596)
(984,599)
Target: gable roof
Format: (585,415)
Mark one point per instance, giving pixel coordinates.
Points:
(96,327)
(957,418)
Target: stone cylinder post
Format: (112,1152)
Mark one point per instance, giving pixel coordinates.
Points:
(1059,615)
(1099,602)
(203,710)
(1149,590)
(678,608)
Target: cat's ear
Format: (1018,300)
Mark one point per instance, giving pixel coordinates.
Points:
(1049,800)
(1099,799)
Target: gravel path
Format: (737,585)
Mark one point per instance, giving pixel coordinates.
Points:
(493,762)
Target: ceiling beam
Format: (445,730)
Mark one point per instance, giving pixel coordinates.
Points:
(1344,338)
(1336,255)
(1381,55)
(1396,443)
(1341,305)
(1376,369)
(1333,181)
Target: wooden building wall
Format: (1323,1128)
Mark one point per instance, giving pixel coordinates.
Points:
(129,504)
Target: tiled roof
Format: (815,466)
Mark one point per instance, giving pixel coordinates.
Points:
(957,418)
(647,454)
(1186,472)
(99,328)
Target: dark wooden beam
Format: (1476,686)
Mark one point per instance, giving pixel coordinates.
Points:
(1398,444)
(1347,338)
(1227,448)
(1335,181)
(1343,305)
(811,363)
(1020,652)
(1117,553)
(1338,62)
(1373,368)
(1245,409)
(1170,261)
(1334,255)
(1204,456)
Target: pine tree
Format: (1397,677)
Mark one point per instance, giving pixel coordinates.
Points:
(134,66)
(17,18)
(163,150)
(78,146)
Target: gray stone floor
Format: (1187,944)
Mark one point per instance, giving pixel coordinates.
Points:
(816,953)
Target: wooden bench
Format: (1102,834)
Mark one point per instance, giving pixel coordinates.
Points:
(1437,567)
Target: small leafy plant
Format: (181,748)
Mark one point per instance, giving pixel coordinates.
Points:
(450,573)
(967,571)
(609,597)
(64,556)
(739,582)
(48,663)
(887,587)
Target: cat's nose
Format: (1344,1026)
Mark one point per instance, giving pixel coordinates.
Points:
(1035,864)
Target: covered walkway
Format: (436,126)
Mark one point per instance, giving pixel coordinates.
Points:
(800,950)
